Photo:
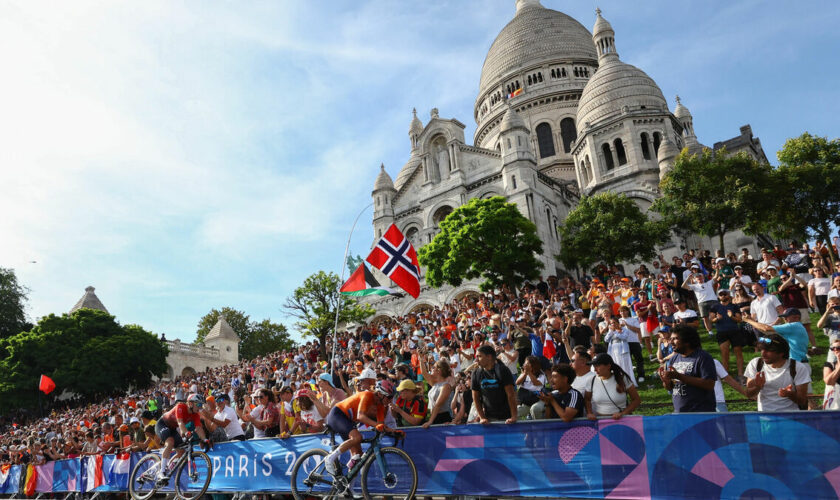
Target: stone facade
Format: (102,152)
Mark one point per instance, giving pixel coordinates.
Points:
(558,115)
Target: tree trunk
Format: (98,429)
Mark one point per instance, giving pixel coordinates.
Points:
(826,235)
(720,241)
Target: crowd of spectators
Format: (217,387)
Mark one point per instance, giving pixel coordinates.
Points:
(557,348)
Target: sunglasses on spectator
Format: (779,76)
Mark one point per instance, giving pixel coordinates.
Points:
(835,348)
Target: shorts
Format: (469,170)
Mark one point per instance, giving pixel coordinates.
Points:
(340,423)
(164,432)
(806,316)
(643,329)
(731,336)
(706,307)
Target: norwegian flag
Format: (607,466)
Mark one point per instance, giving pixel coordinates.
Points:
(394,256)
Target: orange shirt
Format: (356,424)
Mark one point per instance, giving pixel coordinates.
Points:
(362,403)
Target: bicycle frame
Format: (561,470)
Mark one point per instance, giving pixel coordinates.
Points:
(375,446)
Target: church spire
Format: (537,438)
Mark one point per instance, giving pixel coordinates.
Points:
(604,38)
(415,130)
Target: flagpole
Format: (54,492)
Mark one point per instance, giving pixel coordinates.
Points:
(338,304)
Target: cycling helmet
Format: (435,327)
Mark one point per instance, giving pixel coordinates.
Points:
(195,398)
(220,396)
(385,388)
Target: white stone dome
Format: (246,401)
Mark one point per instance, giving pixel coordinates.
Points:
(614,86)
(535,35)
(383,180)
(406,171)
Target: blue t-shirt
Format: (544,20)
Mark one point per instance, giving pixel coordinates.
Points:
(725,323)
(688,398)
(536,345)
(797,338)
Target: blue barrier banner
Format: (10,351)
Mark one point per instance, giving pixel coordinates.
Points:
(702,456)
(10,480)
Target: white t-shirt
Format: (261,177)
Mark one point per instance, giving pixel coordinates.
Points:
(529,385)
(821,286)
(606,400)
(631,335)
(775,379)
(764,309)
(833,293)
(311,416)
(583,382)
(721,374)
(687,314)
(233,428)
(256,414)
(704,291)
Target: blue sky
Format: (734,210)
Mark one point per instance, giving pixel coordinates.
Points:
(181,156)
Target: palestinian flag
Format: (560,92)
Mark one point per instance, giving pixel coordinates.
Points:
(362,283)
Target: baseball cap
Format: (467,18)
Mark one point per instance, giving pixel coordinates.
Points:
(134,420)
(406,384)
(791,311)
(327,378)
(367,373)
(738,267)
(723,290)
(601,359)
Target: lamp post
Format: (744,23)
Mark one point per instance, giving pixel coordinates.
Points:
(339,301)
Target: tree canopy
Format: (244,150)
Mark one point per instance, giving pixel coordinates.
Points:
(13,297)
(485,238)
(807,189)
(87,353)
(713,193)
(314,305)
(611,228)
(256,338)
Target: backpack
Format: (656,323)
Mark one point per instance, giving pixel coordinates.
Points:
(760,364)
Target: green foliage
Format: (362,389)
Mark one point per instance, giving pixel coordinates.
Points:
(87,353)
(714,193)
(611,228)
(12,302)
(807,188)
(255,338)
(314,305)
(487,238)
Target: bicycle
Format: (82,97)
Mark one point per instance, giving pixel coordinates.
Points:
(193,471)
(395,474)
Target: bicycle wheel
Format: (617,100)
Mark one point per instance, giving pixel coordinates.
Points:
(398,480)
(141,483)
(192,480)
(309,478)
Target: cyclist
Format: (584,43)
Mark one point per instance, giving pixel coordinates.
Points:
(172,427)
(366,407)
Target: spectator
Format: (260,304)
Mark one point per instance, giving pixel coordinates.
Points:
(634,329)
(226,418)
(792,294)
(706,297)
(531,382)
(780,383)
(648,321)
(690,375)
(410,407)
(440,394)
(725,316)
(309,419)
(264,418)
(830,323)
(818,289)
(685,316)
(608,392)
(793,332)
(617,346)
(564,401)
(492,388)
(580,364)
(462,401)
(666,350)
(831,377)
(765,308)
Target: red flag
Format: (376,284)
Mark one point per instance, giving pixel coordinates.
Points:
(47,385)
(394,256)
(549,350)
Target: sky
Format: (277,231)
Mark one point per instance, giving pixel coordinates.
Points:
(184,156)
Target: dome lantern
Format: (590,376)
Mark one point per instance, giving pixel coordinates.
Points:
(415,130)
(604,38)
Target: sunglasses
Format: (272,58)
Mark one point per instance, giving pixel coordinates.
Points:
(835,348)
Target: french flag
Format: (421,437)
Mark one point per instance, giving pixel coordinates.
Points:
(92,475)
(118,473)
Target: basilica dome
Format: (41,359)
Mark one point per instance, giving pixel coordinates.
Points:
(614,87)
(534,36)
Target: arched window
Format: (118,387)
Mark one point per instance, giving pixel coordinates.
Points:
(513,179)
(657,139)
(619,151)
(608,159)
(645,147)
(584,174)
(568,133)
(529,79)
(545,140)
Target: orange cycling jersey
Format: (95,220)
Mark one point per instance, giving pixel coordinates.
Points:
(362,403)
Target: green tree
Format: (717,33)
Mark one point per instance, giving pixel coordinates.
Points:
(714,192)
(609,228)
(13,297)
(807,184)
(314,305)
(87,353)
(255,338)
(487,238)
